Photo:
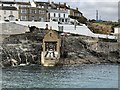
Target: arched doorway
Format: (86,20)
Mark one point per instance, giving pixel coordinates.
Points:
(11,18)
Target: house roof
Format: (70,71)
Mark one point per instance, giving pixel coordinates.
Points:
(42,3)
(7,8)
(7,2)
(76,11)
(57,11)
(61,5)
(118,26)
(23,3)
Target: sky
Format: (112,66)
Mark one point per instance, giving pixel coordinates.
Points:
(107,9)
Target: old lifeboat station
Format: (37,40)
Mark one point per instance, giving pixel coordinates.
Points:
(50,55)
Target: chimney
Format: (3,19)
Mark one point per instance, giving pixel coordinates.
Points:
(59,5)
(52,2)
(77,8)
(68,6)
(64,4)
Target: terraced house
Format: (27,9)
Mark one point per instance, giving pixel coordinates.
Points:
(32,14)
(37,11)
(8,11)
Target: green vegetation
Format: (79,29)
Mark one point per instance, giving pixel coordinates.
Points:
(103,27)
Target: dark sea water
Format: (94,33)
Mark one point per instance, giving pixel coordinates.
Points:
(78,76)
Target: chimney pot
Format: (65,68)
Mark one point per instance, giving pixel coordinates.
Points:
(64,4)
(77,8)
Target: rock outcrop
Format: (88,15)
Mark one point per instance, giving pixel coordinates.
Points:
(26,48)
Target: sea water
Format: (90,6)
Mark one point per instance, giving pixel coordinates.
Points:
(75,76)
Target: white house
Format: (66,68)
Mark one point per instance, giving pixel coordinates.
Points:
(117,29)
(60,16)
(8,13)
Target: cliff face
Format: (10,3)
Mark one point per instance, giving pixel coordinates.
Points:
(77,49)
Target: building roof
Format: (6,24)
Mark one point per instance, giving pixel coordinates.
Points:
(61,5)
(7,2)
(118,26)
(42,3)
(7,8)
(23,3)
(57,11)
(76,11)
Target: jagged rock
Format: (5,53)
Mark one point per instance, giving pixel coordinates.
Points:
(28,47)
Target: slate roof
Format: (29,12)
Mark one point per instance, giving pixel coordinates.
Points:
(23,3)
(8,8)
(61,5)
(7,2)
(57,11)
(76,11)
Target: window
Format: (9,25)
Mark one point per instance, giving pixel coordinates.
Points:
(62,20)
(64,15)
(4,12)
(33,18)
(23,11)
(33,11)
(66,20)
(41,11)
(59,14)
(48,15)
(11,17)
(54,15)
(4,18)
(23,18)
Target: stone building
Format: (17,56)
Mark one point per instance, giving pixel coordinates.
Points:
(51,49)
(74,13)
(8,11)
(32,14)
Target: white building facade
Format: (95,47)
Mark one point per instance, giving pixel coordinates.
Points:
(59,16)
(117,30)
(9,13)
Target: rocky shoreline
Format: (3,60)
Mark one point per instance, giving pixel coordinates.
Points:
(77,49)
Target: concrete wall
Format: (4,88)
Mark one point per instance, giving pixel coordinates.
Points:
(13,28)
(81,30)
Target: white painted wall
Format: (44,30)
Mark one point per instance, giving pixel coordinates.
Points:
(33,4)
(57,15)
(80,30)
(54,25)
(7,13)
(117,30)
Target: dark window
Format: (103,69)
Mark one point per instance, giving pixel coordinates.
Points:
(59,14)
(48,15)
(62,20)
(54,15)
(66,20)
(64,15)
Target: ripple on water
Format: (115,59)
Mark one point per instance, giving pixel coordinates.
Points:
(78,76)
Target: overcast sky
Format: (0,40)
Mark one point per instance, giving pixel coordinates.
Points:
(108,9)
